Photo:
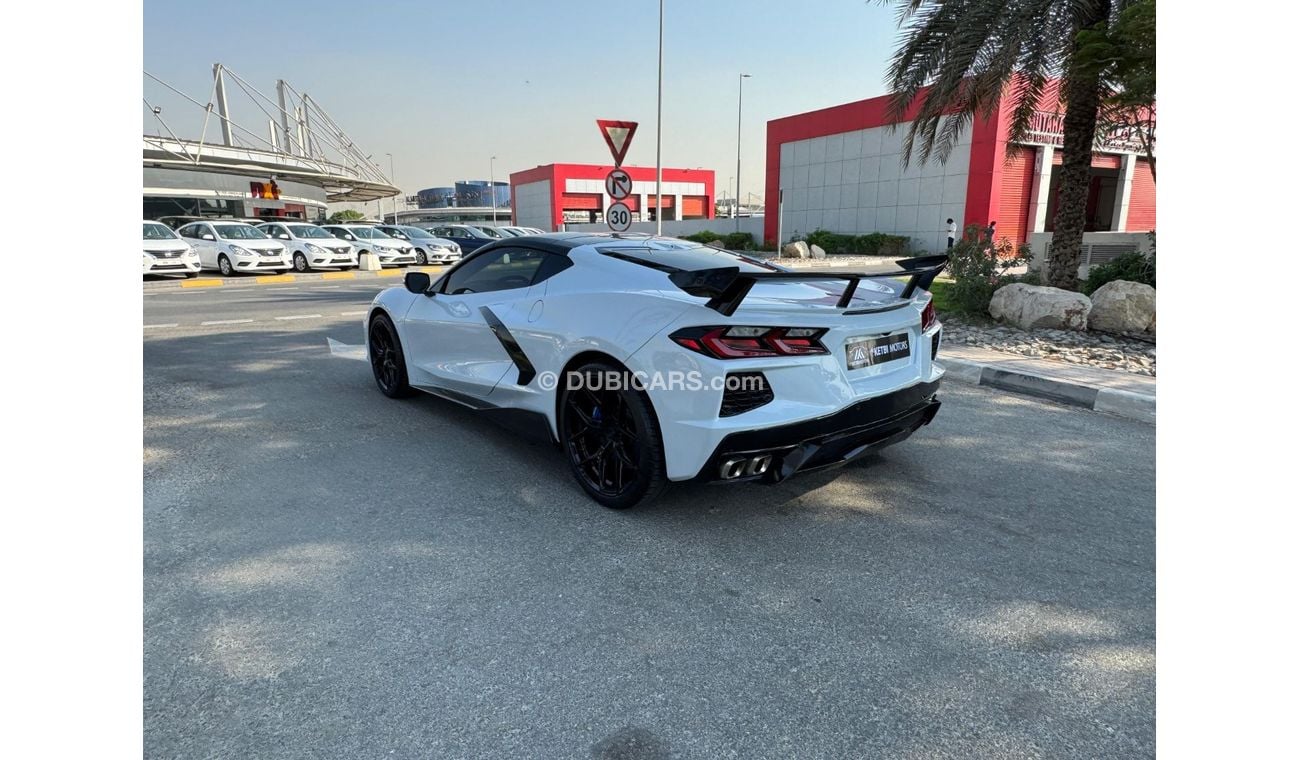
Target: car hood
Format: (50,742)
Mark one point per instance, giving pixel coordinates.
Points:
(166,245)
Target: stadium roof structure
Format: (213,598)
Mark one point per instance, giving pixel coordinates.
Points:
(300,141)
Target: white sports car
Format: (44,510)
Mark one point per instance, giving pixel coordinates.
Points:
(653,359)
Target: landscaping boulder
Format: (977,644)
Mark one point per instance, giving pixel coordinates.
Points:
(796,250)
(1035,306)
(1121,306)
(817,252)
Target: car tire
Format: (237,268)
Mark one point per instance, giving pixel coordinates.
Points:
(630,471)
(191,275)
(420,258)
(300,262)
(386,359)
(223,264)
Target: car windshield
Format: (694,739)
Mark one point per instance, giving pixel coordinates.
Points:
(308,231)
(155,231)
(238,232)
(488,231)
(416,232)
(368,233)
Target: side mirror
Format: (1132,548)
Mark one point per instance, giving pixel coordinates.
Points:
(418,282)
(208,236)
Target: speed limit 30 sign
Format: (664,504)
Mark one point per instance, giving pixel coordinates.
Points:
(619,217)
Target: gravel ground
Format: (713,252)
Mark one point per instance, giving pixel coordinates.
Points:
(1091,349)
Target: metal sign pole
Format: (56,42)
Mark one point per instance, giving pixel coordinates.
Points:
(780,220)
(659,132)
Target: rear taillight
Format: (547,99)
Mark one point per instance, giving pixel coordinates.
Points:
(750,342)
(928,317)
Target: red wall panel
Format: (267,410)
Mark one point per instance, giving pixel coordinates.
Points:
(1013,198)
(1142,201)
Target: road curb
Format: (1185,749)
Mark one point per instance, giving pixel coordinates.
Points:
(1134,406)
(274,279)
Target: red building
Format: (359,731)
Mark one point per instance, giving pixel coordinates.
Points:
(840,169)
(555,194)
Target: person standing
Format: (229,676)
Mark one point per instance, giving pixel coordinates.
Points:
(952,233)
(990,231)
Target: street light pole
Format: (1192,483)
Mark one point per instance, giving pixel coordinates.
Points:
(659,132)
(740,99)
(492,185)
(391,178)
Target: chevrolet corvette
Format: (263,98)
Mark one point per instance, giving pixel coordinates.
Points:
(649,359)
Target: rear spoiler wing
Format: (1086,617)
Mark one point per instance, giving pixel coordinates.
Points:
(726,287)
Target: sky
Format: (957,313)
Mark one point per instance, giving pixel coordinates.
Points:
(444,86)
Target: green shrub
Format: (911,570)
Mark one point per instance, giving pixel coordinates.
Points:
(739,241)
(978,270)
(704,236)
(732,241)
(1134,267)
(873,244)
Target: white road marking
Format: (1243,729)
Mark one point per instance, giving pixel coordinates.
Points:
(288,288)
(327,287)
(301,316)
(225,322)
(352,313)
(154,327)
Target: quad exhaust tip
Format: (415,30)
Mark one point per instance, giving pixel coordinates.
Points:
(735,467)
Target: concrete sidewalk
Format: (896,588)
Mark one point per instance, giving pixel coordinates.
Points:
(1121,393)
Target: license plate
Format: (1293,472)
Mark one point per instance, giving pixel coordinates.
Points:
(868,352)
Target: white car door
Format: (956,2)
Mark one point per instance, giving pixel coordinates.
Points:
(193,234)
(450,338)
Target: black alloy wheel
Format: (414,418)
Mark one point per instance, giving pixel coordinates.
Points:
(386,359)
(611,437)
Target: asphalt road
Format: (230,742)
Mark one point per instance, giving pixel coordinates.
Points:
(329,573)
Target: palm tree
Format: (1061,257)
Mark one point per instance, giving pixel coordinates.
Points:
(960,58)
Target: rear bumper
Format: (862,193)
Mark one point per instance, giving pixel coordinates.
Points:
(827,441)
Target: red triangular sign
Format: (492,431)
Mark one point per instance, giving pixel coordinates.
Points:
(618,136)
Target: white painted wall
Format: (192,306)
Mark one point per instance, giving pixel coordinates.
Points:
(854,183)
(1098,247)
(532,204)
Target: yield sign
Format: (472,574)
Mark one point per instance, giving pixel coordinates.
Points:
(618,136)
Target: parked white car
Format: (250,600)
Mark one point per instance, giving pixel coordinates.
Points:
(231,247)
(165,253)
(311,246)
(368,239)
(429,248)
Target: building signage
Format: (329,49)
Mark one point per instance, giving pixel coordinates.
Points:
(264,190)
(1048,128)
